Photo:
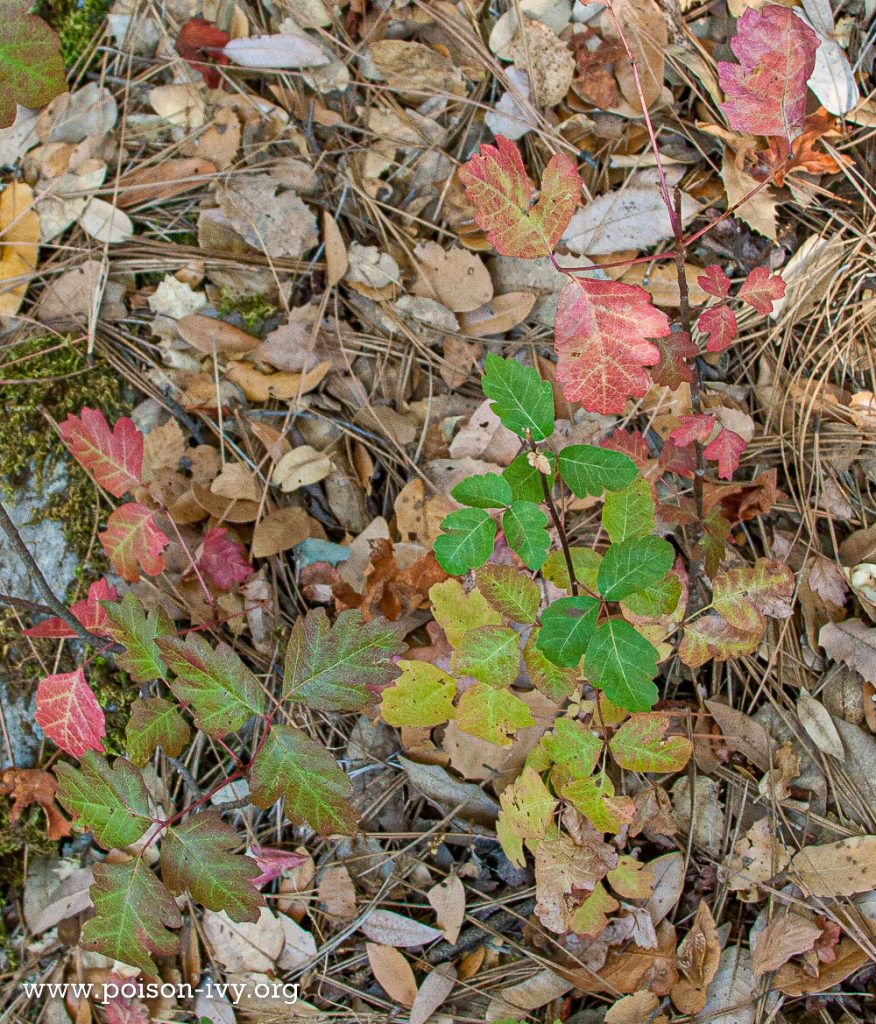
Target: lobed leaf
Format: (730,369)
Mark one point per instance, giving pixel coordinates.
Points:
(632,565)
(766,90)
(520,398)
(155,722)
(622,663)
(745,595)
(602,331)
(594,797)
(567,627)
(130,625)
(510,592)
(589,470)
(68,713)
(421,696)
(726,449)
(488,653)
(719,325)
(711,636)
(113,457)
(314,788)
(194,856)
(333,667)
(630,512)
(134,915)
(133,542)
(761,289)
(222,559)
(572,746)
(497,185)
(489,490)
(456,611)
(525,528)
(112,802)
(492,713)
(89,612)
(659,599)
(221,691)
(466,541)
(527,808)
(640,745)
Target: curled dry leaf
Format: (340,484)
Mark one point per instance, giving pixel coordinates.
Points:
(300,468)
(27,786)
(699,955)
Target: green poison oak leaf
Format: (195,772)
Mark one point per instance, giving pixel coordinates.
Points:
(112,802)
(591,918)
(492,713)
(155,722)
(632,565)
(133,542)
(602,331)
(585,562)
(510,592)
(766,90)
(520,398)
(333,667)
(526,480)
(497,185)
(221,691)
(622,663)
(640,745)
(589,470)
(466,541)
(525,528)
(113,457)
(293,766)
(136,630)
(556,683)
(571,746)
(68,713)
(567,626)
(194,856)
(631,879)
(658,600)
(630,512)
(31,66)
(421,696)
(486,491)
(488,653)
(593,796)
(133,915)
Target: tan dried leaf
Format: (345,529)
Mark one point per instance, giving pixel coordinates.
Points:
(337,894)
(280,531)
(448,901)
(455,277)
(391,929)
(393,973)
(209,334)
(816,720)
(851,642)
(436,987)
(836,869)
(300,467)
(785,936)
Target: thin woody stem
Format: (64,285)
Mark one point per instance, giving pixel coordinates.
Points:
(558,524)
(42,584)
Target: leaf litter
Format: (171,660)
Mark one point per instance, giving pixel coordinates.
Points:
(273,237)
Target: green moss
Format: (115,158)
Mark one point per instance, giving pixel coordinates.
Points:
(76,22)
(30,832)
(253,309)
(51,374)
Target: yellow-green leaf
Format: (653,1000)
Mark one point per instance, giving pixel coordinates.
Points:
(421,696)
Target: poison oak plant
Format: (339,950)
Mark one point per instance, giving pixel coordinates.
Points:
(590,625)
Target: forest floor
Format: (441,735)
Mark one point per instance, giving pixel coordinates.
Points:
(319,215)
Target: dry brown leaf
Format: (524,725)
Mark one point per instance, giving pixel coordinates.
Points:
(105,222)
(546,59)
(816,720)
(409,67)
(851,642)
(280,531)
(337,894)
(732,994)
(836,869)
(19,245)
(162,181)
(336,261)
(209,334)
(756,858)
(237,482)
(699,955)
(260,387)
(448,901)
(163,447)
(244,946)
(668,872)
(391,929)
(468,801)
(796,979)
(27,786)
(761,210)
(268,219)
(436,987)
(218,142)
(497,316)
(785,936)
(533,993)
(233,511)
(743,735)
(392,972)
(645,27)
(455,277)
(634,1009)
(300,468)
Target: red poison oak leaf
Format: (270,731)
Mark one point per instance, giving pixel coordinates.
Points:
(68,713)
(726,450)
(714,281)
(519,220)
(760,289)
(133,542)
(673,370)
(766,90)
(223,559)
(630,442)
(602,331)
(693,428)
(720,327)
(89,612)
(273,863)
(113,457)
(200,44)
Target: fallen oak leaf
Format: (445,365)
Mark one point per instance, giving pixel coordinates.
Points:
(27,786)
